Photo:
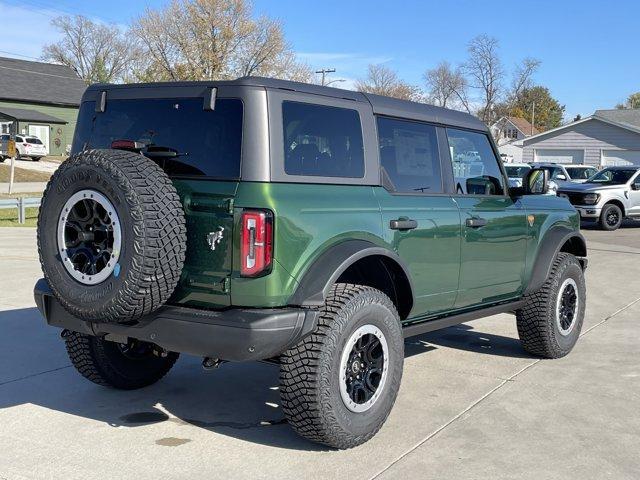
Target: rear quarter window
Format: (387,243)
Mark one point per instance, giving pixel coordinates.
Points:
(322,141)
(206,142)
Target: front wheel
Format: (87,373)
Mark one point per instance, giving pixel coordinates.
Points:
(610,217)
(550,322)
(123,366)
(339,384)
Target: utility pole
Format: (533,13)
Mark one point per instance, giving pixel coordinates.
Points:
(533,116)
(324,71)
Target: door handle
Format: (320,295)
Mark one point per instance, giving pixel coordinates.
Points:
(403,224)
(476,222)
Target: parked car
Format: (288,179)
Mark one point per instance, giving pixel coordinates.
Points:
(567,173)
(4,146)
(30,146)
(608,197)
(516,173)
(329,227)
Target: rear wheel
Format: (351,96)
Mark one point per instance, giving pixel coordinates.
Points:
(36,159)
(123,366)
(550,322)
(611,217)
(339,384)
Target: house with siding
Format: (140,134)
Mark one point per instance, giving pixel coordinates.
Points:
(509,133)
(608,137)
(43,99)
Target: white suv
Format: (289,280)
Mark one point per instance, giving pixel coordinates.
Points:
(30,146)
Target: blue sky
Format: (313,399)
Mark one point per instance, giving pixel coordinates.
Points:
(588,49)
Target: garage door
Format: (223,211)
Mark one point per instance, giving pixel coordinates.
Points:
(620,157)
(559,156)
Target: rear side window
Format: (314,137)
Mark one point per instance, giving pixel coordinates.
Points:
(322,141)
(476,170)
(409,156)
(34,141)
(190,141)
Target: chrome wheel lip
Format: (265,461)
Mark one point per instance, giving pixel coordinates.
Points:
(103,274)
(344,360)
(569,282)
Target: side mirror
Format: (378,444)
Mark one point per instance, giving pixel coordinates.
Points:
(536,182)
(561,176)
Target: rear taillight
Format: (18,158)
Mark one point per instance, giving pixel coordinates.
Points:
(256,242)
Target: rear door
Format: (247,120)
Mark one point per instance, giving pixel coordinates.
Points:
(494,226)
(200,149)
(420,220)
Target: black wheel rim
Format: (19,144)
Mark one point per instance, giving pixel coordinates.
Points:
(613,217)
(363,368)
(88,235)
(567,306)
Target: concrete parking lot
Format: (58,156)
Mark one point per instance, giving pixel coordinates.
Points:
(472,404)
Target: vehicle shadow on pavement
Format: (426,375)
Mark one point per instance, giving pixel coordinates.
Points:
(465,337)
(239,400)
(627,223)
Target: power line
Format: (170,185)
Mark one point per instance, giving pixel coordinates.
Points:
(20,55)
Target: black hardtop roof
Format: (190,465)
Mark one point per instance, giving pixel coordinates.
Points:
(381,105)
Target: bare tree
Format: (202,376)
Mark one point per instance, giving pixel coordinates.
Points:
(97,52)
(213,39)
(522,77)
(486,73)
(447,87)
(382,80)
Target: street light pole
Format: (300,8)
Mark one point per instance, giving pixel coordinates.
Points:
(324,71)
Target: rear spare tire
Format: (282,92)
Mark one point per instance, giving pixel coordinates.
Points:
(111,236)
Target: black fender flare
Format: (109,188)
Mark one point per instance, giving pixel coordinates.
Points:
(549,247)
(316,282)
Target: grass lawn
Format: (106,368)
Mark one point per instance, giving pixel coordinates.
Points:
(9,217)
(22,175)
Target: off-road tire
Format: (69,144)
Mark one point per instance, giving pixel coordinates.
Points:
(153,235)
(310,371)
(607,210)
(103,362)
(537,326)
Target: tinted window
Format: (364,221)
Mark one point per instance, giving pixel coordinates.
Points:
(613,176)
(19,139)
(581,173)
(409,156)
(322,141)
(475,167)
(516,172)
(203,142)
(33,141)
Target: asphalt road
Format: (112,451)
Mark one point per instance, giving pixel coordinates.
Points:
(472,404)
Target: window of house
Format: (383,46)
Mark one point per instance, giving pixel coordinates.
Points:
(409,156)
(322,141)
(476,169)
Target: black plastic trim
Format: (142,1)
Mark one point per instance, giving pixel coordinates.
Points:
(549,247)
(419,328)
(234,334)
(327,268)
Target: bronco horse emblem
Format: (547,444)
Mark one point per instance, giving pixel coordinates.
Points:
(214,238)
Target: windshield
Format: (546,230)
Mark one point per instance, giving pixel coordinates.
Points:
(516,172)
(176,133)
(553,172)
(581,173)
(612,177)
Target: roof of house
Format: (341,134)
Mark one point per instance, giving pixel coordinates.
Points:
(627,119)
(25,115)
(39,82)
(381,105)
(521,124)
(630,117)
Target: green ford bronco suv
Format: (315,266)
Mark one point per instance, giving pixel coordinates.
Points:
(307,226)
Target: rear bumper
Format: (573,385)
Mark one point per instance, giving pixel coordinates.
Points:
(234,334)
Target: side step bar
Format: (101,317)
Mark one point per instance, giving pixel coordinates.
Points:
(420,327)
